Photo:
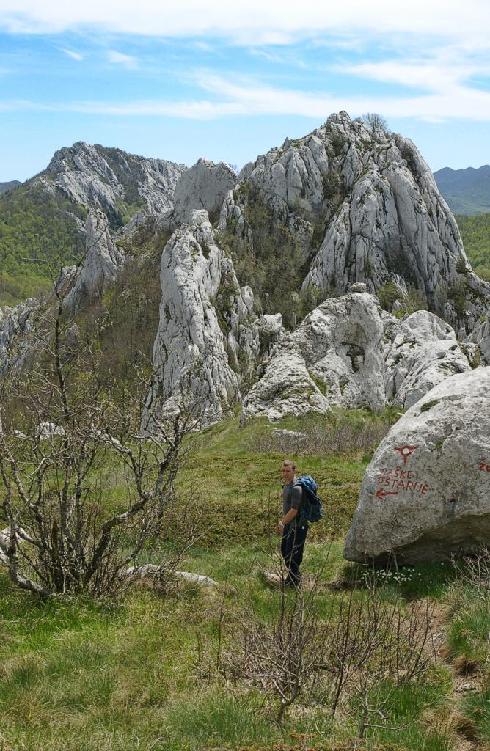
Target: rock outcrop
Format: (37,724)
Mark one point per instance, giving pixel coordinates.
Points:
(426,493)
(350,353)
(334,357)
(203,186)
(364,207)
(422,352)
(15,326)
(99,269)
(206,342)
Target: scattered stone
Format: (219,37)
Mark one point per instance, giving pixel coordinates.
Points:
(47,430)
(358,287)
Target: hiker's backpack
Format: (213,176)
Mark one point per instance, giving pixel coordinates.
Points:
(311,504)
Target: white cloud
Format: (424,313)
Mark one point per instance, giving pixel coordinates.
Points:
(248,97)
(439,73)
(119,58)
(74,55)
(252,21)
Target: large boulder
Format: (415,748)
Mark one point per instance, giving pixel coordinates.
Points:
(426,493)
(481,336)
(16,324)
(349,353)
(206,340)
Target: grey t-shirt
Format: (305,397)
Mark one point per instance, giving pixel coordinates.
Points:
(291,498)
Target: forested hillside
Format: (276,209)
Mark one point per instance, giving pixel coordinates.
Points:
(475,231)
(39,233)
(467,191)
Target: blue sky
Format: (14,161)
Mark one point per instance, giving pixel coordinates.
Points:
(228,80)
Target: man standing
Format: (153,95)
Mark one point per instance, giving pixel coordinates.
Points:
(292,528)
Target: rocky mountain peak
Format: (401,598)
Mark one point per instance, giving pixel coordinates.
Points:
(110,179)
(362,206)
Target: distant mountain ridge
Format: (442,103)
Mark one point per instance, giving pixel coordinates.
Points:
(467,191)
(42,221)
(9,185)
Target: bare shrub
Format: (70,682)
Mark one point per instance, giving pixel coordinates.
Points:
(353,656)
(475,571)
(373,643)
(83,491)
(282,657)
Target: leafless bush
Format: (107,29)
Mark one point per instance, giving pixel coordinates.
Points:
(373,643)
(360,645)
(475,571)
(282,657)
(66,450)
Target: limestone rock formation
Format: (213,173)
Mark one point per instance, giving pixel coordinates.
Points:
(100,266)
(481,336)
(422,351)
(426,493)
(206,341)
(364,207)
(203,186)
(334,357)
(105,178)
(15,325)
(350,353)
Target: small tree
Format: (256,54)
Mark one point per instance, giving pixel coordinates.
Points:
(375,122)
(65,447)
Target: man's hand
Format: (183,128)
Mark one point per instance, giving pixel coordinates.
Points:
(286,519)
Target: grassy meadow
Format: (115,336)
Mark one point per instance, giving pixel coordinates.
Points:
(160,667)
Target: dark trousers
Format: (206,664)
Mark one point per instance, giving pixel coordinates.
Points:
(292,546)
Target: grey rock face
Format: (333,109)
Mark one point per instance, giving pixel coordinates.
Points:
(335,357)
(426,493)
(481,336)
(423,351)
(350,353)
(99,177)
(206,341)
(15,325)
(365,208)
(100,266)
(203,186)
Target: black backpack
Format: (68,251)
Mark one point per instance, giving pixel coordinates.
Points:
(311,509)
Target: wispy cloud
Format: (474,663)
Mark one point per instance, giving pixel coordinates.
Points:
(74,55)
(119,58)
(232,96)
(250,21)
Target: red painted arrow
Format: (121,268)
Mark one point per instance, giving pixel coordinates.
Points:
(382,493)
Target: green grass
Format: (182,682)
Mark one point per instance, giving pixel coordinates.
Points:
(469,632)
(142,672)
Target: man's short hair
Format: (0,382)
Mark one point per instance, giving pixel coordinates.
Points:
(289,463)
